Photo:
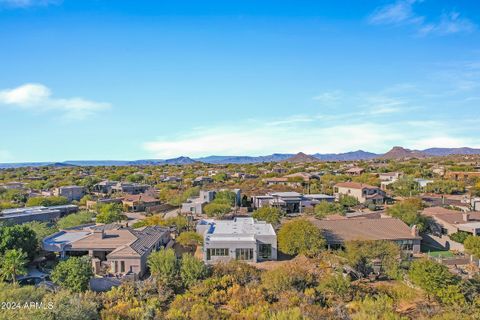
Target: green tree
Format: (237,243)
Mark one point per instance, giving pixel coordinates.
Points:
(134,178)
(18,237)
(324,209)
(189,239)
(109,213)
(472,245)
(41,229)
(13,263)
(225,197)
(164,265)
(408,212)
(348,201)
(445,186)
(405,187)
(268,214)
(300,236)
(75,219)
(46,201)
(74,273)
(220,177)
(192,270)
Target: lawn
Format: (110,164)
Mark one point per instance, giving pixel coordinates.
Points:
(436,252)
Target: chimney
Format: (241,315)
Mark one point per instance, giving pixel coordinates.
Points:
(98,233)
(414,231)
(466,216)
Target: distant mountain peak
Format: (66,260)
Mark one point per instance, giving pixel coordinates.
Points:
(301,158)
(398,152)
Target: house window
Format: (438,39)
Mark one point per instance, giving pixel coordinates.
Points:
(406,245)
(116,267)
(265,251)
(217,252)
(122,266)
(244,254)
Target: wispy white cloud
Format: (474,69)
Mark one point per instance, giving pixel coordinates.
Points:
(37,97)
(258,138)
(401,13)
(28,3)
(449,23)
(329,97)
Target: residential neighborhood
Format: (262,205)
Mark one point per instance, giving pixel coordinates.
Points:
(123,231)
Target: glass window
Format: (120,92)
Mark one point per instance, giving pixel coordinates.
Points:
(265,251)
(217,252)
(244,254)
(122,266)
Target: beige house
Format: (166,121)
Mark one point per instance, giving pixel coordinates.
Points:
(339,231)
(364,193)
(115,249)
(450,221)
(140,202)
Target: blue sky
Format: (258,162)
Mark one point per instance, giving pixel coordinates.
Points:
(160,79)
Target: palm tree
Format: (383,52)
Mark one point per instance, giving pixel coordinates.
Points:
(13,263)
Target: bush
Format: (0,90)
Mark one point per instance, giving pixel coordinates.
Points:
(46,201)
(192,270)
(75,219)
(430,276)
(217,210)
(459,236)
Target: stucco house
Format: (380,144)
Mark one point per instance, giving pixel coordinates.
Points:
(450,221)
(70,192)
(115,249)
(241,238)
(339,231)
(364,193)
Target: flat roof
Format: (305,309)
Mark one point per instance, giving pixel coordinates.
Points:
(239,227)
(64,237)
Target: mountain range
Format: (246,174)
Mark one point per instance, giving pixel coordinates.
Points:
(394,153)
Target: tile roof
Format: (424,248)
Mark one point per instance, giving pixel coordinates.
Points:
(451,216)
(341,230)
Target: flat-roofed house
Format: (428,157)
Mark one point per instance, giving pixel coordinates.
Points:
(38,213)
(114,249)
(337,232)
(290,202)
(70,192)
(364,193)
(240,239)
(195,205)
